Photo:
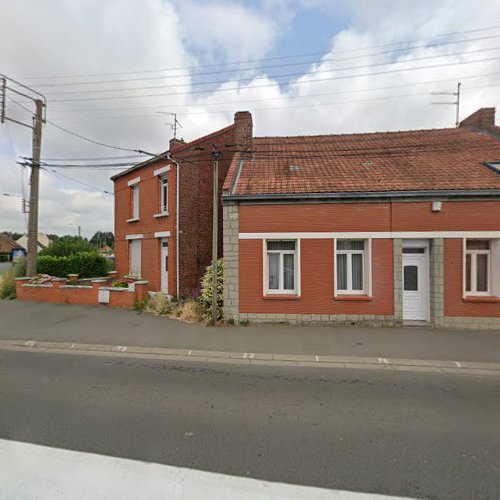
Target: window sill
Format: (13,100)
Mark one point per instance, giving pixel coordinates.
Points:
(281,297)
(161,214)
(361,298)
(481,298)
(133,219)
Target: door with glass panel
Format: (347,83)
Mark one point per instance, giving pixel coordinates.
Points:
(415,284)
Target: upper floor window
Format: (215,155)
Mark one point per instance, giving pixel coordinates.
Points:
(477,266)
(281,267)
(164,194)
(351,267)
(134,203)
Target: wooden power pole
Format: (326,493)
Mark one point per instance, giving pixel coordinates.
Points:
(34,188)
(10,86)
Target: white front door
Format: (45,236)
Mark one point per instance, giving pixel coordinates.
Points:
(416,286)
(164,265)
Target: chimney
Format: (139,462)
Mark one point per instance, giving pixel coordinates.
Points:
(176,143)
(482,119)
(244,131)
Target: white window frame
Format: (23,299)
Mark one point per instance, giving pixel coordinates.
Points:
(137,242)
(163,201)
(296,269)
(473,269)
(367,268)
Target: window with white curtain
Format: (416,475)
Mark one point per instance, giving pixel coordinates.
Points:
(351,267)
(281,267)
(477,267)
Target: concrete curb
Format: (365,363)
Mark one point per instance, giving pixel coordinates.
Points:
(250,358)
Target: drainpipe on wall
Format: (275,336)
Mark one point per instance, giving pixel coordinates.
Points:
(177,233)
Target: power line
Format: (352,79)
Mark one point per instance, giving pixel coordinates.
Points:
(325,94)
(265,77)
(91,158)
(261,68)
(86,138)
(275,108)
(235,63)
(274,84)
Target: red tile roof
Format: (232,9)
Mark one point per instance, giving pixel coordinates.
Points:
(422,160)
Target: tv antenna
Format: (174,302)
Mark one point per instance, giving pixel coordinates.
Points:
(454,103)
(174,124)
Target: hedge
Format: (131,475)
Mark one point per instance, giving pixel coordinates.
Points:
(85,264)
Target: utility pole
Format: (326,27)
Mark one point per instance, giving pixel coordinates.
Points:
(215,227)
(454,103)
(34,188)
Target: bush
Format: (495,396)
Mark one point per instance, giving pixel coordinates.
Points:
(159,305)
(85,264)
(8,285)
(206,293)
(191,311)
(68,245)
(8,279)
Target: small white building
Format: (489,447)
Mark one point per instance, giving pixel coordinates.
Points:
(43,241)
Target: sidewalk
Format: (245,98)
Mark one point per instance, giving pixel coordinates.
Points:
(41,322)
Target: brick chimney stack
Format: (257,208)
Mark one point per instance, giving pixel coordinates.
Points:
(244,131)
(176,143)
(482,119)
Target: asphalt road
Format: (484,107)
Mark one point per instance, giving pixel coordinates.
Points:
(411,434)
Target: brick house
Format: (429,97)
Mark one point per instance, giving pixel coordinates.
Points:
(163,210)
(380,228)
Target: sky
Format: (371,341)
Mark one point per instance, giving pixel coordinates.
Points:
(110,69)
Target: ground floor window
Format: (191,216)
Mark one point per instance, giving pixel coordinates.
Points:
(477,266)
(351,267)
(281,266)
(135,257)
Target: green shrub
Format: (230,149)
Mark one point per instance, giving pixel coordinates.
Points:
(68,245)
(206,293)
(8,285)
(85,264)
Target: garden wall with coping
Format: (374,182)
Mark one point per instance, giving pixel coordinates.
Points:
(95,292)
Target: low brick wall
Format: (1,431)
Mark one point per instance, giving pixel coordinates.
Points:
(59,292)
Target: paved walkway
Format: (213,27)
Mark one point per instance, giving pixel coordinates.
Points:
(26,321)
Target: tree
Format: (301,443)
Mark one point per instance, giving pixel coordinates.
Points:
(68,245)
(102,238)
(12,235)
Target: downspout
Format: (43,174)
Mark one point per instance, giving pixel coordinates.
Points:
(177,232)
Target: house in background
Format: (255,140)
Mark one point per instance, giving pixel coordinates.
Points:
(378,229)
(163,210)
(8,247)
(43,242)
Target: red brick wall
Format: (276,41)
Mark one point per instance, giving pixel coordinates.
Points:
(196,193)
(410,216)
(317,281)
(454,304)
(317,255)
(72,295)
(149,200)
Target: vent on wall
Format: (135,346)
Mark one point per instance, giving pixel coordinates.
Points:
(294,168)
(494,165)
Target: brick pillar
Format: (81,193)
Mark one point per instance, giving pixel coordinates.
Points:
(113,275)
(437,281)
(231,261)
(398,281)
(73,278)
(59,282)
(141,289)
